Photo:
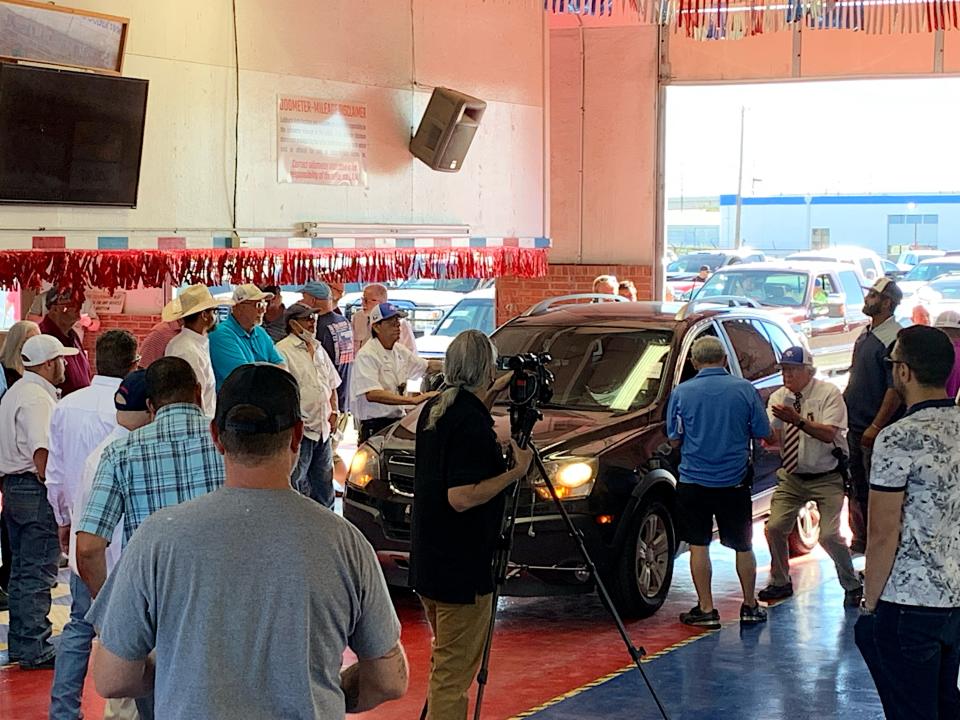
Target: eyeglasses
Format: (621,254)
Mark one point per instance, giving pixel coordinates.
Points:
(894,361)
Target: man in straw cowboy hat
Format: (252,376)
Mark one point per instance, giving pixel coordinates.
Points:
(197,309)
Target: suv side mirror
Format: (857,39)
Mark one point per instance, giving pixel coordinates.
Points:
(836,307)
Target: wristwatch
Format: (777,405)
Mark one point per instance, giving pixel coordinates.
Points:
(864,610)
(801,424)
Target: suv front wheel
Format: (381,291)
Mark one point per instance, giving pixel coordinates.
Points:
(644,568)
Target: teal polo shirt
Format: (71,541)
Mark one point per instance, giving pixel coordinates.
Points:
(715,415)
(231,346)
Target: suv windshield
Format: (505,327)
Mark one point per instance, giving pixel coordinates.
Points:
(692,263)
(928,271)
(465,315)
(767,287)
(615,369)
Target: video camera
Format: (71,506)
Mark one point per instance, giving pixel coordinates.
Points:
(532,382)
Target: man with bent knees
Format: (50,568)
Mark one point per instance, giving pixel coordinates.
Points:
(809,421)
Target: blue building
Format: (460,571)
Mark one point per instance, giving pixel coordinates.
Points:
(884,223)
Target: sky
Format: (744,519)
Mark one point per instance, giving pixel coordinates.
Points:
(861,136)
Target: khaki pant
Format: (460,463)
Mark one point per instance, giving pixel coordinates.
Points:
(120,709)
(791,494)
(459,632)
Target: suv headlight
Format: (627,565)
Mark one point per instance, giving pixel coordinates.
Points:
(572,477)
(364,467)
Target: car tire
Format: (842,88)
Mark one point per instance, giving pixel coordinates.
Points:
(806,533)
(644,568)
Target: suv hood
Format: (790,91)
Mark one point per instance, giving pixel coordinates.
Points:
(570,432)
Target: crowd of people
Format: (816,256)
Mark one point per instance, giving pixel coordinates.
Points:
(102,466)
(169,484)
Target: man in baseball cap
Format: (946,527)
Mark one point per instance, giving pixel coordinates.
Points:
(185,556)
(241,339)
(334,333)
(63,311)
(809,422)
(25,416)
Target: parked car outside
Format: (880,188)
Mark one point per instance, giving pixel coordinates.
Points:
(867,264)
(682,273)
(476,311)
(892,270)
(909,258)
(426,301)
(603,440)
(823,301)
(935,297)
(926,271)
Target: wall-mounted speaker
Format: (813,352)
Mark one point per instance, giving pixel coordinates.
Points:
(447,129)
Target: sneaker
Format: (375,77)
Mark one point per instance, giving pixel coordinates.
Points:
(47,664)
(851,598)
(699,618)
(775,592)
(751,615)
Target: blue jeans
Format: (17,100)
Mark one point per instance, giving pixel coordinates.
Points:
(313,475)
(73,654)
(36,550)
(913,654)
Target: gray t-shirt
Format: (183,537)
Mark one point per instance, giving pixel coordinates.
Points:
(249,598)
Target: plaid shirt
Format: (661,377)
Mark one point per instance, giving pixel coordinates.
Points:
(169,461)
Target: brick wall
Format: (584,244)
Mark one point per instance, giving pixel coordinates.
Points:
(139,325)
(514,295)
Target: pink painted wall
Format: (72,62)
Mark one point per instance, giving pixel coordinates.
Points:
(613,219)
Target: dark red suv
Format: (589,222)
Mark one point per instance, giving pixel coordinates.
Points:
(603,441)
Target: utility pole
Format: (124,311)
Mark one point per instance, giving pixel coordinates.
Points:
(736,234)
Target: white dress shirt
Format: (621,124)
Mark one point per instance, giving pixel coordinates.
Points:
(195,349)
(25,413)
(80,422)
(82,494)
(361,332)
(317,378)
(376,368)
(821,402)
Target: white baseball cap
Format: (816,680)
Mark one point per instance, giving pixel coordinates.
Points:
(948,319)
(42,348)
(242,293)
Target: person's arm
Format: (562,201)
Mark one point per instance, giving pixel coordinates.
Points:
(464,497)
(674,421)
(496,387)
(369,683)
(55,472)
(271,350)
(92,561)
(891,403)
(115,677)
(823,432)
(883,537)
(388,398)
(40,457)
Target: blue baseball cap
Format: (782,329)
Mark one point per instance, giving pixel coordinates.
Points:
(796,355)
(385,311)
(317,289)
(132,393)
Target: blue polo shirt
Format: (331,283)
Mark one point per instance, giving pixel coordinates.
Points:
(231,346)
(715,415)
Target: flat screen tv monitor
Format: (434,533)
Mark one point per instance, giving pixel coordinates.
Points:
(69,138)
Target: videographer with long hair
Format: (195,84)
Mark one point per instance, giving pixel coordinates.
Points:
(457,515)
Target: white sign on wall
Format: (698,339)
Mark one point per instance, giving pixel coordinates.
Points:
(104,303)
(321,142)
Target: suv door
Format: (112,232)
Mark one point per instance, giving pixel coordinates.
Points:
(828,324)
(755,359)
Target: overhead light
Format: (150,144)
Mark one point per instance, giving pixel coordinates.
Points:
(319,229)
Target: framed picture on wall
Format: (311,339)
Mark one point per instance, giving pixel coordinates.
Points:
(43,33)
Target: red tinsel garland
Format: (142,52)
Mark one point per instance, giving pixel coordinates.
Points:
(128,269)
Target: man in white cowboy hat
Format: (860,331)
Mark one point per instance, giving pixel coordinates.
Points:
(25,415)
(241,339)
(197,309)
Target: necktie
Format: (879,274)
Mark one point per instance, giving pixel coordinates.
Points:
(791,441)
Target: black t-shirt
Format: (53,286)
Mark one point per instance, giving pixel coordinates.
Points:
(452,553)
(336,336)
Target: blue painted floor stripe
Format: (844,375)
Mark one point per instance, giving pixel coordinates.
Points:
(801,664)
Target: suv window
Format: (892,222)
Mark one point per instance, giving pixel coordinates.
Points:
(753,349)
(781,341)
(851,288)
(595,368)
(768,287)
(866,264)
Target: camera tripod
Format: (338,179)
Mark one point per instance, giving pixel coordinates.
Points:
(522,420)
